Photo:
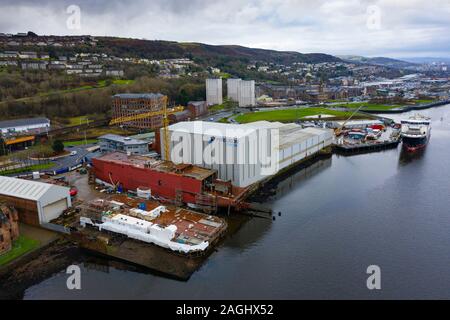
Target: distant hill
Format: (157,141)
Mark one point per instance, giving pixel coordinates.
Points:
(167,49)
(428,60)
(381,61)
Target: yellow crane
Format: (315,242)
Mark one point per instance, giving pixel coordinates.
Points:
(338,131)
(165,112)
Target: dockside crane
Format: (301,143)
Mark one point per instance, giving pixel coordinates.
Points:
(165,112)
(338,131)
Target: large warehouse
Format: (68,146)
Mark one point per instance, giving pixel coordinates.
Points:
(36,202)
(239,152)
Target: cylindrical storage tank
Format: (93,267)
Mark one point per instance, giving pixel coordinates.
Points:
(144,193)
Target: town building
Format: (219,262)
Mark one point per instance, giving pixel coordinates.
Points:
(184,115)
(37,203)
(197,108)
(246,93)
(233,89)
(113,142)
(133,104)
(214,91)
(9,227)
(34,125)
(113,72)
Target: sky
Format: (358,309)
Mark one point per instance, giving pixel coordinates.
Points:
(392,28)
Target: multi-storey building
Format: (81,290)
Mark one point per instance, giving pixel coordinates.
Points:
(233,89)
(131,104)
(246,93)
(214,91)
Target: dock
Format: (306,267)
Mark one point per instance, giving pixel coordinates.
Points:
(365,147)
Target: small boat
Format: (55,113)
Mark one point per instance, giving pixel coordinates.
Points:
(357,135)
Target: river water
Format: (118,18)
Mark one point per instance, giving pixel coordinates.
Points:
(338,217)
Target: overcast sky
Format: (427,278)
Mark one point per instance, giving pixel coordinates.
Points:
(394,28)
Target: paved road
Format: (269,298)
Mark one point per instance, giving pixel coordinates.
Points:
(74,160)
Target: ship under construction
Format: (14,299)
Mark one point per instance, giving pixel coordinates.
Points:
(181,184)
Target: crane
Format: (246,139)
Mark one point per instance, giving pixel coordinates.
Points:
(165,112)
(338,131)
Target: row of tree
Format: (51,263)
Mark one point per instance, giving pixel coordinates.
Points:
(98,101)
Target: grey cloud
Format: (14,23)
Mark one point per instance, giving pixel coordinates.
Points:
(333,26)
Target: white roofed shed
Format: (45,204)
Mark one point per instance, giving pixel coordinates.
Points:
(45,201)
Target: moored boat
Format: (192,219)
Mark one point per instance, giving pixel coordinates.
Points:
(415,132)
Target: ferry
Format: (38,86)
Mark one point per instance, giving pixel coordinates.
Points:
(415,132)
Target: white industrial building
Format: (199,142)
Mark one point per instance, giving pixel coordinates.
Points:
(233,89)
(37,203)
(24,125)
(246,93)
(214,91)
(247,153)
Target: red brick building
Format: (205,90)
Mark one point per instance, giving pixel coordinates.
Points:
(197,108)
(129,104)
(9,227)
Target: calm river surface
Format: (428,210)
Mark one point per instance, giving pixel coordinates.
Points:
(338,217)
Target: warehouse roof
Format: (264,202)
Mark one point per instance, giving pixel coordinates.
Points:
(23,122)
(27,189)
(139,95)
(290,134)
(217,129)
(121,139)
(197,104)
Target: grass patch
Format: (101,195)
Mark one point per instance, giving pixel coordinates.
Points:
(424,101)
(368,106)
(119,82)
(21,246)
(79,142)
(223,120)
(217,107)
(289,115)
(76,121)
(226,105)
(36,167)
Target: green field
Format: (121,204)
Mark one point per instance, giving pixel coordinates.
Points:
(376,106)
(368,106)
(20,247)
(119,82)
(289,115)
(37,167)
(76,121)
(424,101)
(79,142)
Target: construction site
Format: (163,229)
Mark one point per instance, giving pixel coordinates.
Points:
(169,210)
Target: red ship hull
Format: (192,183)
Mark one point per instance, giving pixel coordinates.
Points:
(191,187)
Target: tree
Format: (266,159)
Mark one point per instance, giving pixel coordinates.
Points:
(58,146)
(2,147)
